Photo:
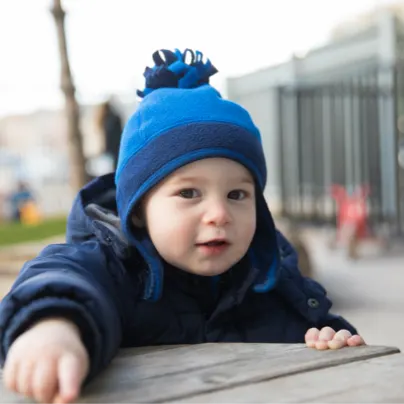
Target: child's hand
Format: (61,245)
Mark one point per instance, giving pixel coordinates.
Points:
(48,362)
(327,338)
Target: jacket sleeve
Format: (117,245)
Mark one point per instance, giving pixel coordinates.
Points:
(306,290)
(82,282)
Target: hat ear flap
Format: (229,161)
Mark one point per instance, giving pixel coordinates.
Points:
(137,218)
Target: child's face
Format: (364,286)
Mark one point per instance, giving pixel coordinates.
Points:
(202,217)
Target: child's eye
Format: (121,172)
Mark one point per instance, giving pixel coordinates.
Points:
(189,193)
(237,194)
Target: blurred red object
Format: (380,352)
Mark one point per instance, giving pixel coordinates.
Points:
(351,211)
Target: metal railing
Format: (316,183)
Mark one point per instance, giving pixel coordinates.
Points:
(338,133)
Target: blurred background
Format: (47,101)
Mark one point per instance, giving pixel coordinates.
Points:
(324,82)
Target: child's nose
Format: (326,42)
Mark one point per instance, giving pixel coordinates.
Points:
(217,213)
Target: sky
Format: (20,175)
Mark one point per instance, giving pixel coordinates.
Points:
(111,41)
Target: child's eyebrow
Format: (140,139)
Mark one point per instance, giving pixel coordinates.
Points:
(247,180)
(193,179)
(187,179)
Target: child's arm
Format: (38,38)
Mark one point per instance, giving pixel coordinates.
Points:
(84,283)
(48,362)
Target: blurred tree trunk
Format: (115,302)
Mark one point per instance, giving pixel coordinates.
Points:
(78,175)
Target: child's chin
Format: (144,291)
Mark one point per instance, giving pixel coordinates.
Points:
(206,269)
(209,271)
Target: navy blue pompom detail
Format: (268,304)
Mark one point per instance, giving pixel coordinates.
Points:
(171,70)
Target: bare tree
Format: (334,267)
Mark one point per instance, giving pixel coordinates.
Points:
(78,173)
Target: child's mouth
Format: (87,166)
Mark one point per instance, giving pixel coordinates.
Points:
(214,243)
(213,247)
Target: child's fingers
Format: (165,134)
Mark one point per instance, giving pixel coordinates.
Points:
(342,335)
(321,345)
(24,378)
(11,373)
(70,375)
(336,344)
(355,340)
(339,340)
(327,338)
(44,381)
(326,334)
(311,337)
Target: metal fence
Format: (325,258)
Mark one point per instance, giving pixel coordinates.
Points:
(338,133)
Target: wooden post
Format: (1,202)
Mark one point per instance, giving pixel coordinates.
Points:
(78,175)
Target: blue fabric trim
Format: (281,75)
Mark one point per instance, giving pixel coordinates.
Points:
(189,79)
(270,280)
(154,280)
(198,56)
(129,150)
(264,247)
(178,53)
(177,67)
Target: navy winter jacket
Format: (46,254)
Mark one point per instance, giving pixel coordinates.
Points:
(103,285)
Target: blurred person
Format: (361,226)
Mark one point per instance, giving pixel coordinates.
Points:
(19,199)
(177,247)
(109,122)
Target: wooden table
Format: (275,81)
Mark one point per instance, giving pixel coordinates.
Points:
(241,373)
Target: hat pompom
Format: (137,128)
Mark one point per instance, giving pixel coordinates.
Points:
(172,70)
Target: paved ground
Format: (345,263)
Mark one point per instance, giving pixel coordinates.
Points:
(368,292)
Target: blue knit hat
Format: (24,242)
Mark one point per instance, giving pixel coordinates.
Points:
(182,119)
